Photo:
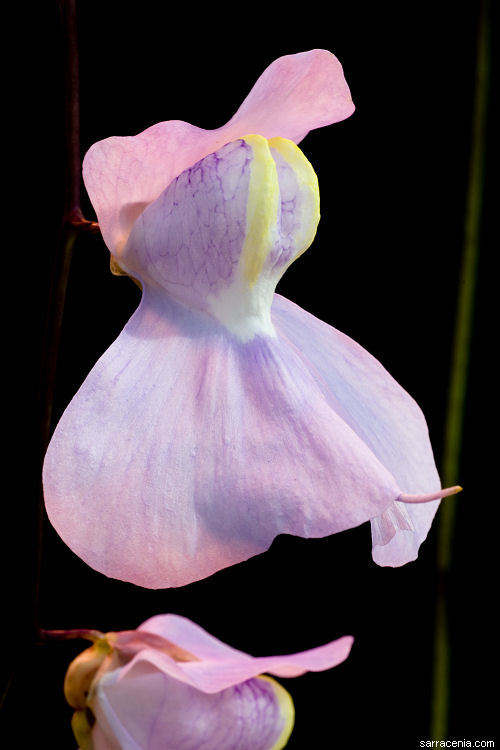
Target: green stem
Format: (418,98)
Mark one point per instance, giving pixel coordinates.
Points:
(458,379)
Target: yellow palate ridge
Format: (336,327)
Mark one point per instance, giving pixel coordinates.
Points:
(263,202)
(309,188)
(262,208)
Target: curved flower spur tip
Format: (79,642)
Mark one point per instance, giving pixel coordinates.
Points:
(144,697)
(429,497)
(398,532)
(294,95)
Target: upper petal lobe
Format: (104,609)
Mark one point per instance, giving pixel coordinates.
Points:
(294,95)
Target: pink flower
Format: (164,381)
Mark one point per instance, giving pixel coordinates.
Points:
(224,415)
(170,685)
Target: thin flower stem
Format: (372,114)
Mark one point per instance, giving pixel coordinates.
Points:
(67,9)
(73,224)
(64,635)
(458,378)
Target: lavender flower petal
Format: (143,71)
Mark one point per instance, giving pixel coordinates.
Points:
(145,709)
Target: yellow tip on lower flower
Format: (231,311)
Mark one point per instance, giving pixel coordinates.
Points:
(287,711)
(81,672)
(82,730)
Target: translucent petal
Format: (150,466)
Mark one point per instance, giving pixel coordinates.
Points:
(381,413)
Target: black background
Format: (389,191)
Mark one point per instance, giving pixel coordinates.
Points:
(384,269)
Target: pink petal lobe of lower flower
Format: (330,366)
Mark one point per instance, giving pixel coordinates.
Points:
(190,636)
(294,95)
(219,666)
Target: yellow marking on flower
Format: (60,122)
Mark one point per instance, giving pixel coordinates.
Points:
(82,730)
(287,710)
(309,189)
(262,208)
(82,671)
